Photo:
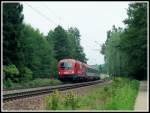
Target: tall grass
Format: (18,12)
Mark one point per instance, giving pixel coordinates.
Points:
(57,101)
(119,95)
(123,94)
(33,83)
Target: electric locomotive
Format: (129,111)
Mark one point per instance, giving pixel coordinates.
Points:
(74,70)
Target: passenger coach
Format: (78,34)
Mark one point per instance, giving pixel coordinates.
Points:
(73,70)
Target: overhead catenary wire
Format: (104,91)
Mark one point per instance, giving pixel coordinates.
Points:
(52,12)
(59,17)
(48,19)
(41,14)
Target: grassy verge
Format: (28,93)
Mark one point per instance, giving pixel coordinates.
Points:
(119,95)
(34,83)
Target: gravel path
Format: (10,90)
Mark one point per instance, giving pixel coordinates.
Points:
(141,103)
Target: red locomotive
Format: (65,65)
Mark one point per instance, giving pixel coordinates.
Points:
(73,70)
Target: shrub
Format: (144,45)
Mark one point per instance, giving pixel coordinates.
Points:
(53,101)
(56,101)
(7,83)
(26,74)
(71,100)
(11,72)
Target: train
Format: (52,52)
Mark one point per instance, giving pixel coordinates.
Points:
(76,71)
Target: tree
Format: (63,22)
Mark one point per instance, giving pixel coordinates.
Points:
(12,25)
(66,44)
(113,54)
(125,50)
(38,53)
(135,39)
(61,43)
(77,49)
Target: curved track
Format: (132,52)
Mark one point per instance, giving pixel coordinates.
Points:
(39,91)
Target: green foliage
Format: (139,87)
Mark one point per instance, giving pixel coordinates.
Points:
(102,68)
(12,25)
(119,95)
(61,43)
(53,101)
(66,44)
(44,82)
(8,84)
(71,101)
(38,53)
(135,40)
(126,50)
(113,54)
(75,48)
(57,101)
(124,96)
(11,72)
(26,74)
(54,71)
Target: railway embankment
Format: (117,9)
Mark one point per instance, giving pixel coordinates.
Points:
(37,102)
(118,94)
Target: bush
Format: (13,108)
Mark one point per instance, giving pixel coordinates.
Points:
(57,101)
(44,82)
(53,101)
(7,83)
(32,83)
(11,72)
(71,100)
(26,74)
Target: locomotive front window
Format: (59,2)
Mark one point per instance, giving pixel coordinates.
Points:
(65,65)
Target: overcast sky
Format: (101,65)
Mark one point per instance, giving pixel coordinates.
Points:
(93,19)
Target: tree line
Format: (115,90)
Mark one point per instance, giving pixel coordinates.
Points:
(125,50)
(28,54)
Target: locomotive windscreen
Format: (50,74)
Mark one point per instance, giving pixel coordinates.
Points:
(65,65)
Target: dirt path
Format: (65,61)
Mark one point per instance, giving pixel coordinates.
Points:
(141,103)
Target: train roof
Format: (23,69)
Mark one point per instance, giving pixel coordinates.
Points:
(73,60)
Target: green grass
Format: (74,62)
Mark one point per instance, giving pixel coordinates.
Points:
(34,83)
(119,95)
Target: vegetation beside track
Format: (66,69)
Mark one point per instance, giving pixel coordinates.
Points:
(32,83)
(119,95)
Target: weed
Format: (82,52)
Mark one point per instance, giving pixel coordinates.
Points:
(119,95)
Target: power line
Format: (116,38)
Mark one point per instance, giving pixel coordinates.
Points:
(51,11)
(51,19)
(98,43)
(59,18)
(41,14)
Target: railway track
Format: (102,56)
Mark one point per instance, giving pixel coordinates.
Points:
(39,91)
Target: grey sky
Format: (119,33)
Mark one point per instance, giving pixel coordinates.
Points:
(93,19)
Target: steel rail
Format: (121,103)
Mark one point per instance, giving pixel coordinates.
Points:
(35,92)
